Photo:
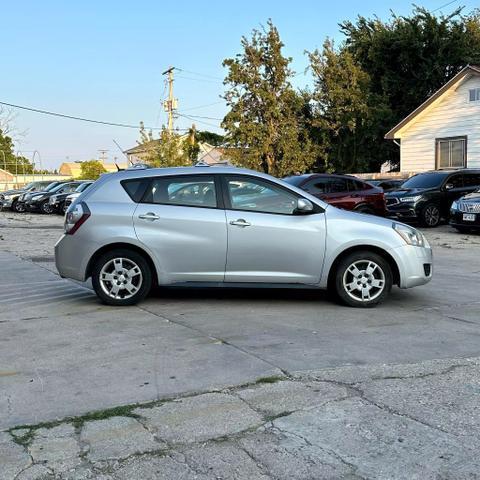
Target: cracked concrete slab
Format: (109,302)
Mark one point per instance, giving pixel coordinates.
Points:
(287,396)
(13,457)
(200,418)
(380,444)
(117,438)
(57,448)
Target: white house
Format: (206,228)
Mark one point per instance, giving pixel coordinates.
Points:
(444,131)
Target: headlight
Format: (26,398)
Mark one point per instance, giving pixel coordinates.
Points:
(414,199)
(53,199)
(410,235)
(36,197)
(454,205)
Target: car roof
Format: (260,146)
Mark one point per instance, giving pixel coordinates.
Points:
(306,176)
(448,171)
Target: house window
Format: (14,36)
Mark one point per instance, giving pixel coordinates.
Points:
(451,152)
(474,94)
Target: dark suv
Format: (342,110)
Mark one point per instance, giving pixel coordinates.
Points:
(342,191)
(427,197)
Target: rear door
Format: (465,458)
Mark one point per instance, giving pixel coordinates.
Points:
(182,221)
(267,241)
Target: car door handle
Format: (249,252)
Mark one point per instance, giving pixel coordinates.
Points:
(240,223)
(149,216)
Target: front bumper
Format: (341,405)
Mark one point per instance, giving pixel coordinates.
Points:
(6,203)
(415,265)
(402,211)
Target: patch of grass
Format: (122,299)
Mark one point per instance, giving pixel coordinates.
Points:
(123,411)
(272,379)
(23,440)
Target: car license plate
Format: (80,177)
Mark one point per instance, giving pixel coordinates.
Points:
(469,217)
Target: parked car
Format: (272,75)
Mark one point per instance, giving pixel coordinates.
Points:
(342,191)
(58,200)
(21,205)
(387,184)
(40,201)
(465,212)
(9,198)
(132,229)
(427,197)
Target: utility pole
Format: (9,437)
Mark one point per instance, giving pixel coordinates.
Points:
(102,155)
(172,103)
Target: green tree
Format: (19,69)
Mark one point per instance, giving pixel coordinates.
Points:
(168,150)
(91,169)
(204,136)
(9,161)
(343,109)
(407,59)
(264,127)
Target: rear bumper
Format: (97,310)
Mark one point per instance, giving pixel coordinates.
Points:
(72,254)
(456,220)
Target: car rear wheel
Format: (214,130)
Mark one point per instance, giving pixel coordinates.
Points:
(45,207)
(121,277)
(430,215)
(363,279)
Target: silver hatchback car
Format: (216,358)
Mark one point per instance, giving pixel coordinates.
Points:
(226,226)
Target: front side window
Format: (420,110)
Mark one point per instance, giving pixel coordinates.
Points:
(259,196)
(451,152)
(186,191)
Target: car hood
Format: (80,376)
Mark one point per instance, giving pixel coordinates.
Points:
(473,197)
(406,192)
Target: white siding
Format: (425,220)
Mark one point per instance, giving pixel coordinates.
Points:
(451,116)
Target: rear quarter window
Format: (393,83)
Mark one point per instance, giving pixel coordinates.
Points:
(135,188)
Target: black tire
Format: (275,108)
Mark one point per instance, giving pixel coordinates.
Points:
(364,209)
(343,276)
(18,207)
(128,256)
(430,216)
(45,207)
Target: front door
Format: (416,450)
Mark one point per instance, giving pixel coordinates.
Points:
(180,221)
(267,241)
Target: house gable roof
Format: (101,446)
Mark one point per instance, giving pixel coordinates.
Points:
(468,70)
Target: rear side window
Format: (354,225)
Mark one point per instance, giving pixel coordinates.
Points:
(337,185)
(317,185)
(187,191)
(135,188)
(472,179)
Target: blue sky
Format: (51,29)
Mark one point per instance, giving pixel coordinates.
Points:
(104,60)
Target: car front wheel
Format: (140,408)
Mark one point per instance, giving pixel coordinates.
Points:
(121,277)
(45,207)
(363,279)
(18,207)
(430,216)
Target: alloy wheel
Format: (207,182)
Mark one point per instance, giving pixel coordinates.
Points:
(120,278)
(364,280)
(432,215)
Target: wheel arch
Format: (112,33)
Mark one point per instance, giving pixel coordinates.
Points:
(372,248)
(127,246)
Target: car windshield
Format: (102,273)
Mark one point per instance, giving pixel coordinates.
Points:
(57,188)
(425,180)
(82,187)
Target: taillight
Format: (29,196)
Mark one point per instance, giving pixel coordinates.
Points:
(76,217)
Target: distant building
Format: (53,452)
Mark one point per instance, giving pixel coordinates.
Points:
(74,169)
(208,153)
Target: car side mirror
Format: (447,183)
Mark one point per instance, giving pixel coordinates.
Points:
(304,206)
(448,186)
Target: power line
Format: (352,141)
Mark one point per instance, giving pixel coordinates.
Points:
(199,79)
(199,121)
(199,74)
(72,117)
(446,5)
(202,116)
(203,106)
